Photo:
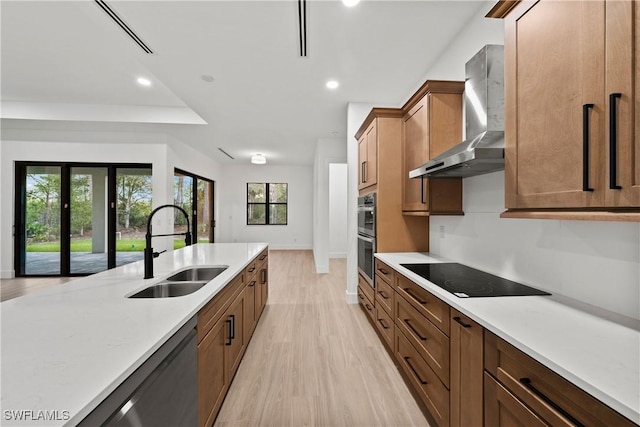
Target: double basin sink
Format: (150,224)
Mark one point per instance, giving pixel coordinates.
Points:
(181,283)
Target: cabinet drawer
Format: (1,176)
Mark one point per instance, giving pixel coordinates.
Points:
(503,409)
(384,324)
(426,383)
(211,312)
(385,296)
(430,342)
(262,259)
(366,303)
(428,305)
(551,397)
(384,271)
(366,288)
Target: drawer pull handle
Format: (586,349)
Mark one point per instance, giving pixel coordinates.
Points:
(414,330)
(585,147)
(414,296)
(613,140)
(368,307)
(526,382)
(383,294)
(383,323)
(252,283)
(252,269)
(262,257)
(420,380)
(360,296)
(383,271)
(464,325)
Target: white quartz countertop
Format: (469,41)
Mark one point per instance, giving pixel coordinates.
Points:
(67,348)
(598,353)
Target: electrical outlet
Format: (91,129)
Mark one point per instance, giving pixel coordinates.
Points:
(442,231)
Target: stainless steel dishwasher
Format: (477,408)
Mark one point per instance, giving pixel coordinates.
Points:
(162,392)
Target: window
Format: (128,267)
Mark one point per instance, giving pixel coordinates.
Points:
(267,203)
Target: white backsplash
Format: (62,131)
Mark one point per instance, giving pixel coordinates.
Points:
(596,262)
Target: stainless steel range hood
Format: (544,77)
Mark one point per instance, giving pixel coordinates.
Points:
(483,150)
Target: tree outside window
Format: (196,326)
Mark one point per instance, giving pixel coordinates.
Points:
(267,203)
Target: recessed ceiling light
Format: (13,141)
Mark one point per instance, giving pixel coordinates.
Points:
(332,84)
(144,82)
(350,3)
(258,159)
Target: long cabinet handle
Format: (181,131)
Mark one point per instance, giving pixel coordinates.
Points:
(233,327)
(415,331)
(362,180)
(464,325)
(414,296)
(364,171)
(585,147)
(406,359)
(422,189)
(383,323)
(526,382)
(228,321)
(263,276)
(613,140)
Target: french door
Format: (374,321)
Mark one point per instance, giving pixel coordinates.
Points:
(77,218)
(195,195)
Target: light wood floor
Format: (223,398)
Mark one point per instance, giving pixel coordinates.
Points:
(12,288)
(314,359)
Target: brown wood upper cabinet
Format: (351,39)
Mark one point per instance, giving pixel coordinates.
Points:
(572,122)
(368,157)
(432,124)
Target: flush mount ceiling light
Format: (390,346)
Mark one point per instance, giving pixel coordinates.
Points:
(258,159)
(350,3)
(144,81)
(332,84)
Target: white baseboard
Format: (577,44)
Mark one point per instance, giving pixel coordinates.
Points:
(352,298)
(337,254)
(7,274)
(322,268)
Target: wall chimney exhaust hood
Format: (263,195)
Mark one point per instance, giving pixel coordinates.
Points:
(483,150)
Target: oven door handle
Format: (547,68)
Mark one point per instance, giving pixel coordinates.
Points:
(366,208)
(365,238)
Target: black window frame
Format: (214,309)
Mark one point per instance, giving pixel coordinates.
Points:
(267,203)
(193,215)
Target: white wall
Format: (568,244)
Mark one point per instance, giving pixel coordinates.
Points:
(591,261)
(337,210)
(232,206)
(161,152)
(327,151)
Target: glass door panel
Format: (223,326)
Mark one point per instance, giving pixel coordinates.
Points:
(204,215)
(133,207)
(89,219)
(42,220)
(183,197)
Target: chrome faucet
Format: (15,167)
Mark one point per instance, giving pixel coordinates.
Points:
(149,254)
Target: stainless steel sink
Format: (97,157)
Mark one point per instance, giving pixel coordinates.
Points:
(181,283)
(168,289)
(197,274)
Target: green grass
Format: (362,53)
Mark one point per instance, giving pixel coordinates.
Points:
(84,245)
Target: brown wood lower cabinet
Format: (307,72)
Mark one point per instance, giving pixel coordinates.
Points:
(518,387)
(426,383)
(467,367)
(224,327)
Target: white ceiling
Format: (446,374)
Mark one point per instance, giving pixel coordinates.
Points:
(265,97)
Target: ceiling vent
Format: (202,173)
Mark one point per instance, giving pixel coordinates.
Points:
(225,153)
(104,6)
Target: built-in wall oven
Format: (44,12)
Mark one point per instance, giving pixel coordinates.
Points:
(366,235)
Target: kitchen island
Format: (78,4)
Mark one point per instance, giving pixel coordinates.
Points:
(66,349)
(595,350)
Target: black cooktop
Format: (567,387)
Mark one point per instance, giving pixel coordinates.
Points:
(465,282)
